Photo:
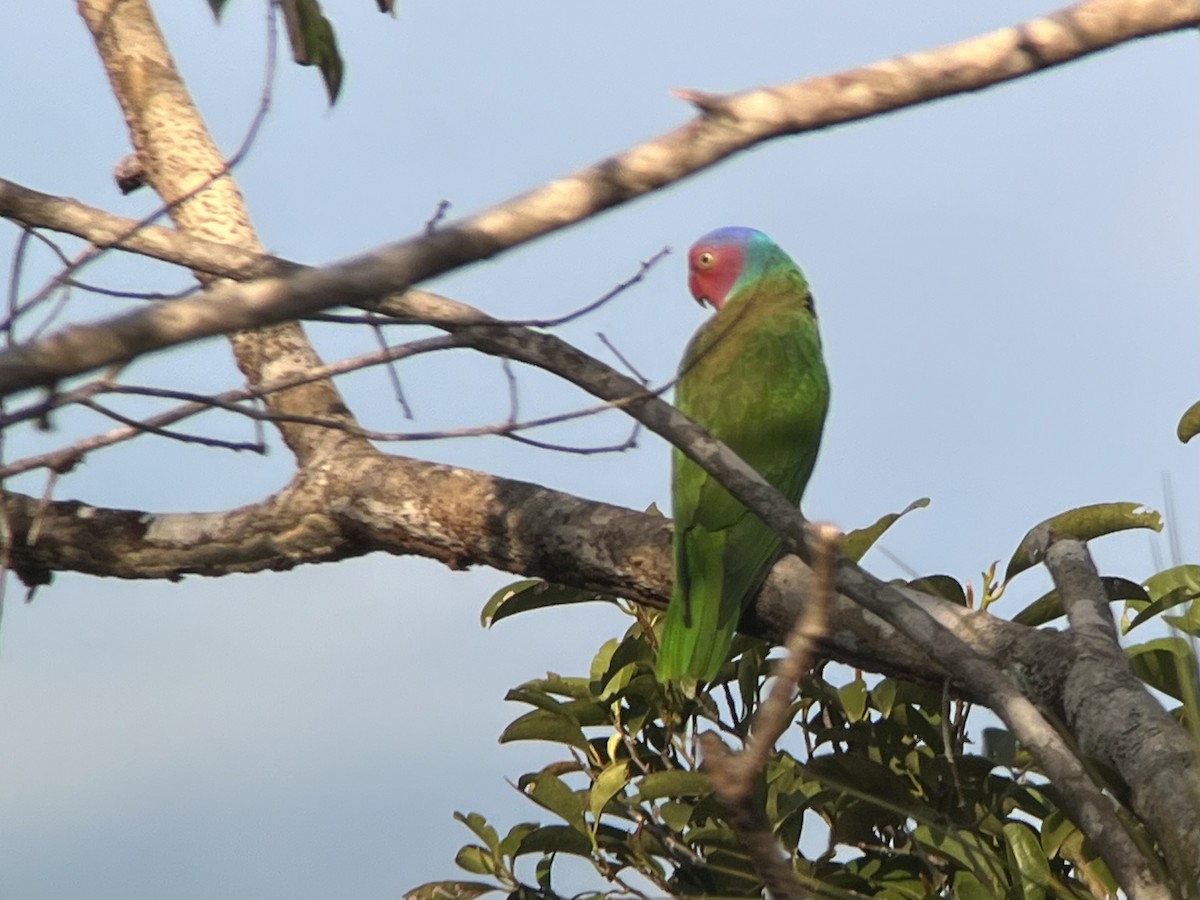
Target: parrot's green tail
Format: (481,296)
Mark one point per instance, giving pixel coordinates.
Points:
(698,631)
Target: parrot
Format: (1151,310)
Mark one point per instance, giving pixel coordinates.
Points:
(754,377)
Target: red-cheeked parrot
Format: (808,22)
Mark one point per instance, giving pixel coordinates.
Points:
(754,377)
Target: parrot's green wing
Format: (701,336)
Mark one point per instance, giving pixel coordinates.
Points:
(754,377)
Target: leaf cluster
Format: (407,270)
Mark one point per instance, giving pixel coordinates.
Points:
(879,788)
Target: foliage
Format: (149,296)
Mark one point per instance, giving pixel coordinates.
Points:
(881,782)
(312,38)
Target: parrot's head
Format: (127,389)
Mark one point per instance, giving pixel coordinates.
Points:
(719,260)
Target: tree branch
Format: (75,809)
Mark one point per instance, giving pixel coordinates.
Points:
(726,125)
(179,156)
(733,774)
(1150,750)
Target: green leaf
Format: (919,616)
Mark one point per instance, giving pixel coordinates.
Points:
(516,835)
(999,746)
(314,43)
(1189,425)
(532,593)
(968,887)
(673,783)
(551,792)
(543,871)
(868,780)
(856,543)
(1056,828)
(608,784)
(1166,589)
(749,666)
(617,664)
(1163,664)
(968,850)
(883,696)
(1166,582)
(543,725)
(539,698)
(1188,623)
(575,688)
(1083,523)
(602,661)
(676,815)
(481,829)
(1080,852)
(556,839)
(476,860)
(853,697)
(941,586)
(1165,600)
(450,890)
(1048,607)
(1026,856)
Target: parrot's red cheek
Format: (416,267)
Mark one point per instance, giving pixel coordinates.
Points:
(712,271)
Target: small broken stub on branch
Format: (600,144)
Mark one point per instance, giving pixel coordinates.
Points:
(129,173)
(708,103)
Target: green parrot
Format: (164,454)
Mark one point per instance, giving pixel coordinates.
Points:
(754,377)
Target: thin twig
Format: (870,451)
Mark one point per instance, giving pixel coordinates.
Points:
(514,399)
(14,282)
(132,295)
(439,214)
(92,253)
(376,322)
(39,515)
(621,356)
(733,774)
(600,301)
(180,436)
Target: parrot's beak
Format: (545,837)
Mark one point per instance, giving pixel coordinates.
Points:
(697,290)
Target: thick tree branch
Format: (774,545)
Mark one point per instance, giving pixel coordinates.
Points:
(104,229)
(183,165)
(1150,749)
(725,126)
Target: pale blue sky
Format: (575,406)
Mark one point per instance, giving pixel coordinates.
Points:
(1007,283)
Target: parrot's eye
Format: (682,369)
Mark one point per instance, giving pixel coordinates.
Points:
(706,259)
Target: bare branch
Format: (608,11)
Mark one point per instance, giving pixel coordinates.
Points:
(748,821)
(67,457)
(733,774)
(603,299)
(241,402)
(180,436)
(1156,756)
(727,125)
(377,324)
(187,170)
(624,360)
(772,719)
(438,216)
